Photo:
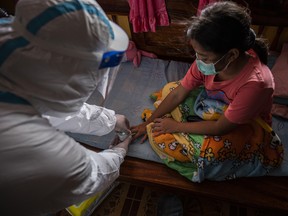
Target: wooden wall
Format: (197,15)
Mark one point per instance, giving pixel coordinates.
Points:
(168,41)
(269,17)
(270,20)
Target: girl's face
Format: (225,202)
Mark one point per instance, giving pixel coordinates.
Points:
(209,57)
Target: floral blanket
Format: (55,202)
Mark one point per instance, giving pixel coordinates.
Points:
(250,150)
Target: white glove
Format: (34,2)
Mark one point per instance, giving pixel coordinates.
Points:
(124,144)
(122,124)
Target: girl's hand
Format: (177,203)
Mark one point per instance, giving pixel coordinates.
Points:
(138,131)
(164,125)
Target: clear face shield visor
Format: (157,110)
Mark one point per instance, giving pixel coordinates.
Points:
(106,72)
(114,55)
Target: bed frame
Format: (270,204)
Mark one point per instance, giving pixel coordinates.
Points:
(269,193)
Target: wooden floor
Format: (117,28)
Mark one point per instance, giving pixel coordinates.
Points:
(136,200)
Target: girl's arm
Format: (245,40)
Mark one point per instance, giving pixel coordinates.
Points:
(173,99)
(168,125)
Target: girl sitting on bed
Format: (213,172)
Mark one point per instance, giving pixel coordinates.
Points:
(230,88)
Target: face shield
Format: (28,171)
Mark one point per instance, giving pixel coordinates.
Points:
(56,53)
(114,55)
(110,59)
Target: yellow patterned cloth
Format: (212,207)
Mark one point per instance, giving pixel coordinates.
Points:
(251,149)
(176,146)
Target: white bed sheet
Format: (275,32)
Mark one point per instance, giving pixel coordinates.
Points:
(130,96)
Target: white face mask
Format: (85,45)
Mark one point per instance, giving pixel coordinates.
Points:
(209,69)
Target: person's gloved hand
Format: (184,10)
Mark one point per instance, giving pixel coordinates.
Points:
(124,144)
(122,124)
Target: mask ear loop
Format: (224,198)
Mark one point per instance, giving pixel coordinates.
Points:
(214,63)
(225,68)
(220,59)
(227,65)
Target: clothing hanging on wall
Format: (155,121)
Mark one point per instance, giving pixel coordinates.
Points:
(145,15)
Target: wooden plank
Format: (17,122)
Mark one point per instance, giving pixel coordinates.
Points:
(267,192)
(258,192)
(113,7)
(168,42)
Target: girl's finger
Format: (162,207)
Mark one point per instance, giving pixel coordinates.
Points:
(143,139)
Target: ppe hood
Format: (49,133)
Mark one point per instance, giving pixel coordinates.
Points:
(51,52)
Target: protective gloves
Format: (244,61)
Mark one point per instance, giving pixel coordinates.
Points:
(124,144)
(122,127)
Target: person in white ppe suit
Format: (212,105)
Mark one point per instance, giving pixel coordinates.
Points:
(53,55)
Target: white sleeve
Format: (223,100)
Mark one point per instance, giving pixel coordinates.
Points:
(91,119)
(105,170)
(66,172)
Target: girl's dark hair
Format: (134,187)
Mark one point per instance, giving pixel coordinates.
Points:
(225,25)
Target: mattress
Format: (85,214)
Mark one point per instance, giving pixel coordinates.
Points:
(130,96)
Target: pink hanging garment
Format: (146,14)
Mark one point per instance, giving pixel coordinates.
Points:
(134,54)
(145,15)
(202,4)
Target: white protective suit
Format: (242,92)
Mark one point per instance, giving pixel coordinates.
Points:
(50,62)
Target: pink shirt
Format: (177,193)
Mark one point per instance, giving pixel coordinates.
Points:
(249,94)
